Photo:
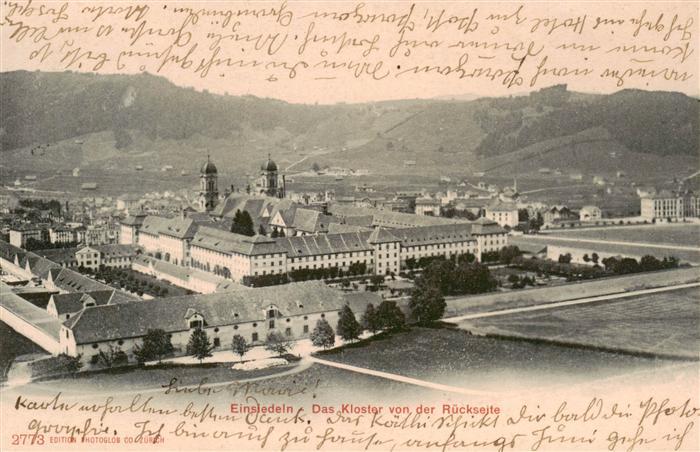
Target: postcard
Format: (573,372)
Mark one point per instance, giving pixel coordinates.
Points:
(349,225)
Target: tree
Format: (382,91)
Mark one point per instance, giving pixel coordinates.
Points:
(69,364)
(369,319)
(594,258)
(523,215)
(348,328)
(261,230)
(508,253)
(113,356)
(427,304)
(376,281)
(274,234)
(565,258)
(199,345)
(156,345)
(276,342)
(323,335)
(316,167)
(390,317)
(586,258)
(239,345)
(242,223)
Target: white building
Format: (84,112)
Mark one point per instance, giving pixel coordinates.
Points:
(590,213)
(503,213)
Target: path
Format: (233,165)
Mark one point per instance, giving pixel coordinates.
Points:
(573,302)
(296,163)
(401,378)
(548,237)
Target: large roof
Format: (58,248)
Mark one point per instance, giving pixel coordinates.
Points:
(312,221)
(310,245)
(74,302)
(389,218)
(228,242)
(111,322)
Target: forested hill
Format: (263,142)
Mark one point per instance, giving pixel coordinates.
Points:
(42,108)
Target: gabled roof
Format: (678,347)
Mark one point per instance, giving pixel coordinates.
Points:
(312,245)
(111,322)
(59,255)
(228,242)
(381,235)
(312,221)
(502,207)
(482,226)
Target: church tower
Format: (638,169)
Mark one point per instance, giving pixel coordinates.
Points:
(269,183)
(208,186)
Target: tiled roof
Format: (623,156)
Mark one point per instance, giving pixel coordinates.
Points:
(312,221)
(74,302)
(381,235)
(389,218)
(449,233)
(181,228)
(502,207)
(483,226)
(338,228)
(111,322)
(59,255)
(311,245)
(228,242)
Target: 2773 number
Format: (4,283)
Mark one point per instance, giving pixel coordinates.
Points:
(27,439)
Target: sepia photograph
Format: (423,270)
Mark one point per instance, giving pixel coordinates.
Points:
(336,225)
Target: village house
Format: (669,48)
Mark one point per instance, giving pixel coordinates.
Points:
(503,213)
(590,213)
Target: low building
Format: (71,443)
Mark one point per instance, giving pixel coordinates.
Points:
(112,256)
(557,213)
(64,306)
(62,234)
(20,235)
(291,309)
(590,213)
(428,206)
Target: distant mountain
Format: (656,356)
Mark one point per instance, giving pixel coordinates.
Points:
(132,117)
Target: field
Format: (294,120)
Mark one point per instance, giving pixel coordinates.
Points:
(12,345)
(680,235)
(457,358)
(634,250)
(664,323)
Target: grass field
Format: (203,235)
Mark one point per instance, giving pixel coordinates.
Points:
(454,357)
(665,323)
(604,247)
(12,345)
(682,235)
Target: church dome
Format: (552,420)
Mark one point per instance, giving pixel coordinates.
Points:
(269,165)
(208,167)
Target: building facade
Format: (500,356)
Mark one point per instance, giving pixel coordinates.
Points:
(503,213)
(666,205)
(291,310)
(382,250)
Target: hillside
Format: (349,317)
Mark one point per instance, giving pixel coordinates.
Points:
(64,120)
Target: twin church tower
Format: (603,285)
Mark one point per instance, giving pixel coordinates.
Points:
(270,183)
